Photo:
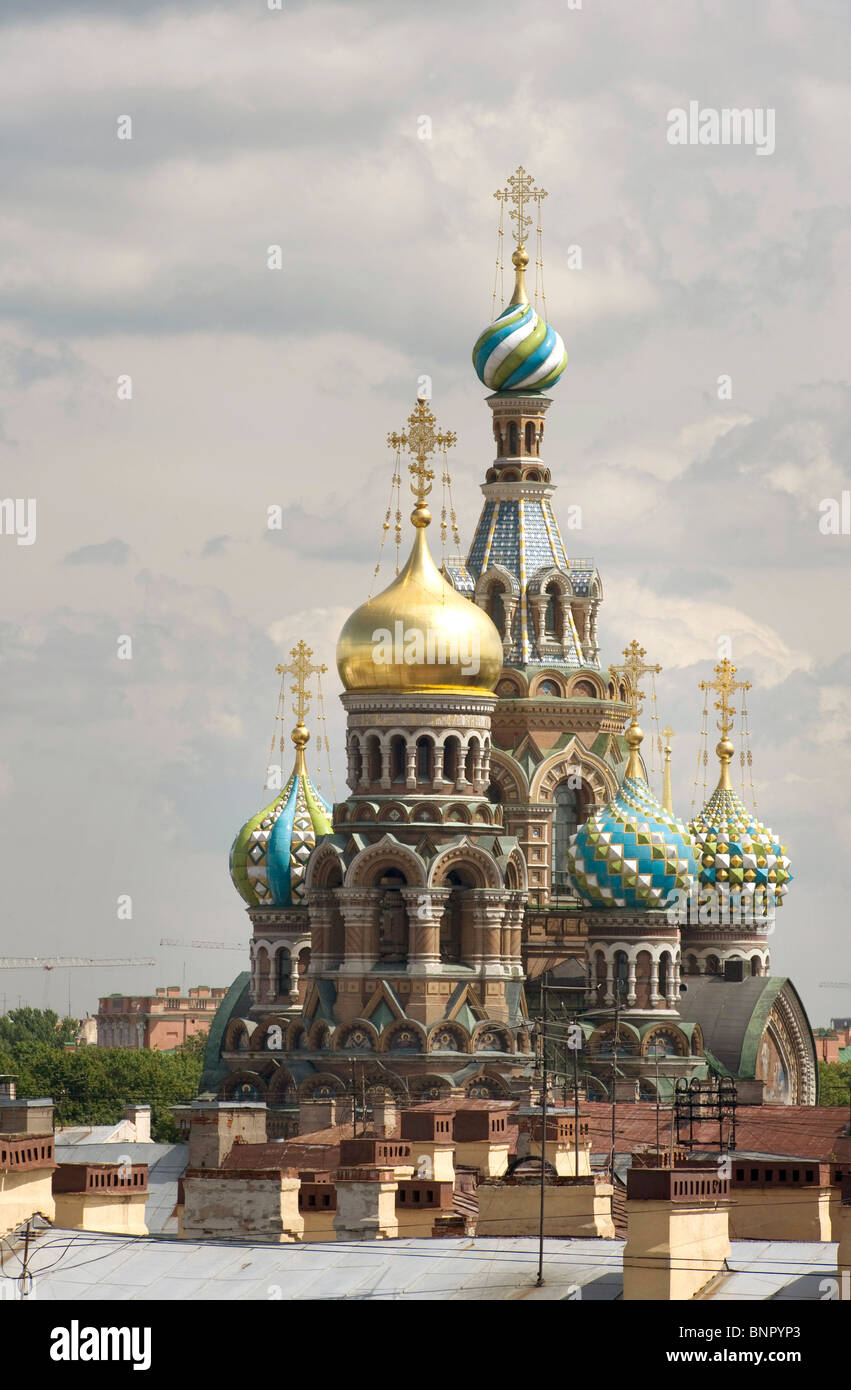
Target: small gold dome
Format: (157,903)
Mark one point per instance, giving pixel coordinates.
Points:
(419,634)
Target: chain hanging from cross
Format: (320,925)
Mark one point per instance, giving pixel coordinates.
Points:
(521,191)
(634,667)
(725,686)
(421,439)
(302,669)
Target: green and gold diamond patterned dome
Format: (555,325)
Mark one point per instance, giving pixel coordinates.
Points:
(633,853)
(737,853)
(269,856)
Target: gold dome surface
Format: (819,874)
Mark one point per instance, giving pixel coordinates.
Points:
(419,634)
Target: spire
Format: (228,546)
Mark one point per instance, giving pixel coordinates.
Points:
(520,191)
(302,669)
(725,686)
(634,667)
(667,798)
(421,440)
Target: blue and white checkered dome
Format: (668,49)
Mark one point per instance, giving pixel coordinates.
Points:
(632,853)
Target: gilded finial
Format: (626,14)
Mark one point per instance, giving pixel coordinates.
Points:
(633,668)
(421,440)
(520,191)
(302,668)
(667,797)
(725,686)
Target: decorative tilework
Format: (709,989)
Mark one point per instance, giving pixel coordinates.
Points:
(632,853)
(269,856)
(738,854)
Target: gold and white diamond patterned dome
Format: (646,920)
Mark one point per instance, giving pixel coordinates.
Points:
(420,635)
(737,853)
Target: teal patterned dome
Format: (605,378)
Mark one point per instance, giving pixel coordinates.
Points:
(519,351)
(737,853)
(633,853)
(269,856)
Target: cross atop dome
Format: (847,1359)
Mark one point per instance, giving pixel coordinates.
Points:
(634,667)
(520,191)
(725,685)
(302,668)
(421,441)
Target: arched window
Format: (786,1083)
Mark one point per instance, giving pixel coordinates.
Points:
(554,614)
(664,963)
(713,965)
(565,823)
(357,761)
(513,446)
(470,759)
(285,971)
(373,758)
(496,610)
(425,754)
(450,759)
(530,437)
(756,963)
(392,919)
(397,758)
(621,975)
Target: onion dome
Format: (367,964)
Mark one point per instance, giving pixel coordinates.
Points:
(737,854)
(632,853)
(420,634)
(519,351)
(269,856)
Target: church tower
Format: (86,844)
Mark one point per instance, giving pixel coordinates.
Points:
(557,728)
(416,898)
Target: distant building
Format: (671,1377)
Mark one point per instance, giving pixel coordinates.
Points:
(161,1021)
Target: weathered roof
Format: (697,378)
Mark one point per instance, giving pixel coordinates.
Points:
(85,1266)
(796,1131)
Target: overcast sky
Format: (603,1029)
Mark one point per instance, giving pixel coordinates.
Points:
(254,387)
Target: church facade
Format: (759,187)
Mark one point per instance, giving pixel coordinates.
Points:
(499,825)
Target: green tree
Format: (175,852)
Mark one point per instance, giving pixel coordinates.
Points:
(92,1085)
(834,1083)
(36,1025)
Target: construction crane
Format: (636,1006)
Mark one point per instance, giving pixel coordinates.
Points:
(197,944)
(65,962)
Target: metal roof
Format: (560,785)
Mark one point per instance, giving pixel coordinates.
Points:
(86,1266)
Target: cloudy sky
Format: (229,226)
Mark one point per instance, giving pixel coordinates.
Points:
(147,258)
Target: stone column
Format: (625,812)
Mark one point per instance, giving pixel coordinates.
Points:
(359,907)
(411,765)
(655,996)
(320,910)
(488,907)
(510,606)
(385,764)
(438,780)
(609,996)
(630,987)
(425,908)
(539,608)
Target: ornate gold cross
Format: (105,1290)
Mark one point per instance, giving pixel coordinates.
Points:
(634,667)
(521,191)
(725,685)
(302,668)
(421,440)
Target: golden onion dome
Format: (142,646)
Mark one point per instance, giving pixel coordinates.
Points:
(419,634)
